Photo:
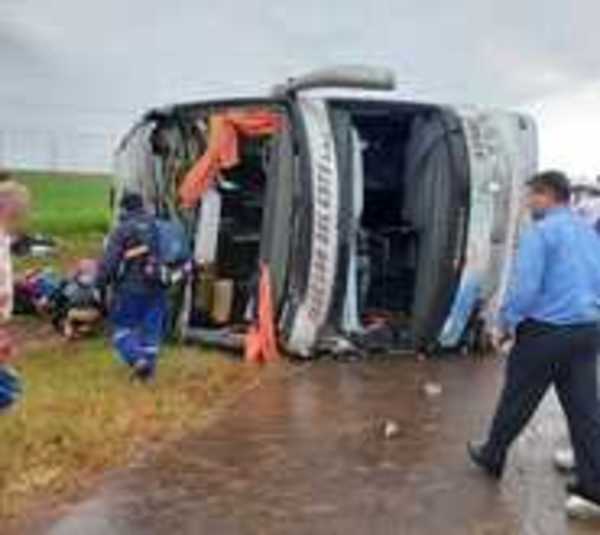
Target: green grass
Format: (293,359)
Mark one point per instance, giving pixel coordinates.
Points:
(68,205)
(80,414)
(71,208)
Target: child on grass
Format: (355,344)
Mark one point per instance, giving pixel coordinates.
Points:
(14,206)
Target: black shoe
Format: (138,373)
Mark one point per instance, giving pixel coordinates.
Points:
(142,371)
(583,505)
(574,487)
(478,457)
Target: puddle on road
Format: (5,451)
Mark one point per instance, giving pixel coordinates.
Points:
(306,453)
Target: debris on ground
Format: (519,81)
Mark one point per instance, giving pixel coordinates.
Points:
(36,245)
(432,389)
(391,429)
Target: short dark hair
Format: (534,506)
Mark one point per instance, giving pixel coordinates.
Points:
(554,181)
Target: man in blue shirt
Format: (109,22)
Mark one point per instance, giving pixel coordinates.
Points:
(553,311)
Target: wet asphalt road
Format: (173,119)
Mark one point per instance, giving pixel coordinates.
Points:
(304,453)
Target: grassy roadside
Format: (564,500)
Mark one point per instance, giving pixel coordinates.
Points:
(81,415)
(68,205)
(73,209)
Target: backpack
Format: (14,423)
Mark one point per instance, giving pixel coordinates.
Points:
(157,249)
(173,244)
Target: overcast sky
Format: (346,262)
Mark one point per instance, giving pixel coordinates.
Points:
(97,63)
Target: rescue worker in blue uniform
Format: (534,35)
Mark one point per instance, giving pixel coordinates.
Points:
(553,311)
(138,305)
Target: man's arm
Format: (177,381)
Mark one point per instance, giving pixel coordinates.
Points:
(526,279)
(111,260)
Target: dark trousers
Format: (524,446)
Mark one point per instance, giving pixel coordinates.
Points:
(564,357)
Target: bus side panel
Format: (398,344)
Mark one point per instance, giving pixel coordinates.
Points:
(502,154)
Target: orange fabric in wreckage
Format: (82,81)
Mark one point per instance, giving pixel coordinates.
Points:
(223,148)
(261,341)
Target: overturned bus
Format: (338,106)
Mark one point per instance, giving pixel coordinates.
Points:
(383,225)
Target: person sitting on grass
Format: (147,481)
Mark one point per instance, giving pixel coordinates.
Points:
(14,206)
(74,305)
(131,268)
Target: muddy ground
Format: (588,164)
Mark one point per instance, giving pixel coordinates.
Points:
(305,453)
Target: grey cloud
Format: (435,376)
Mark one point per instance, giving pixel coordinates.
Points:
(116,55)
